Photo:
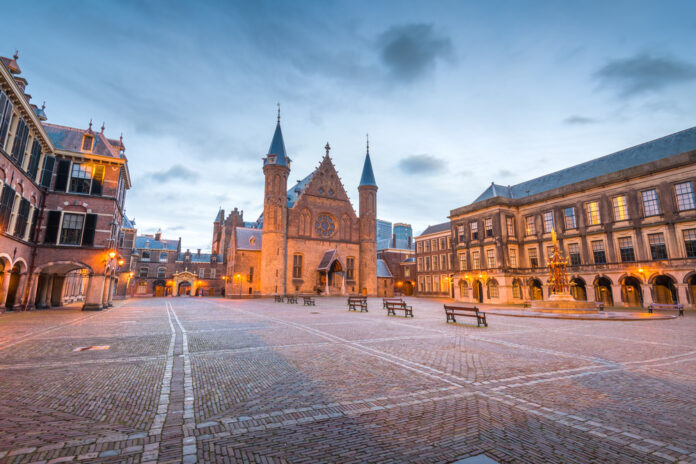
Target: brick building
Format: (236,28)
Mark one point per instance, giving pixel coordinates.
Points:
(626,221)
(396,252)
(434,261)
(308,239)
(62,191)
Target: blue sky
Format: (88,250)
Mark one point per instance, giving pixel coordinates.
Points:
(454,94)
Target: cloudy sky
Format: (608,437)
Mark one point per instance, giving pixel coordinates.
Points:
(454,94)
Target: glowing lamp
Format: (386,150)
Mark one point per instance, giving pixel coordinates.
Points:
(112,254)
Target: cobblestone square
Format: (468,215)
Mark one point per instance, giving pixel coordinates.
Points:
(215,380)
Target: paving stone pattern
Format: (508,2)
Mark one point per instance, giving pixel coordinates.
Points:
(245,381)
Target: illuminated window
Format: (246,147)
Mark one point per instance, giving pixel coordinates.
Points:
(493,291)
(569,218)
(529,225)
(620,208)
(651,206)
(592,210)
(516,289)
(685,196)
(548,221)
(80,178)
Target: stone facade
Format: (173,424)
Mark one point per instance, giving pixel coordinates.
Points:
(61,206)
(308,239)
(627,223)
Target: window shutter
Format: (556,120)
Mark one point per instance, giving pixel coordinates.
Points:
(6,204)
(20,143)
(62,174)
(33,167)
(34,223)
(5,116)
(52,225)
(97,179)
(47,172)
(22,218)
(90,229)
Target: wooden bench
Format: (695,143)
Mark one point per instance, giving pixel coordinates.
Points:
(357,302)
(394,305)
(666,307)
(308,301)
(468,311)
(527,304)
(390,300)
(292,299)
(599,305)
(278,298)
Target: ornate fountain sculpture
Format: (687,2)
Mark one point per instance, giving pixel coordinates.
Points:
(558,276)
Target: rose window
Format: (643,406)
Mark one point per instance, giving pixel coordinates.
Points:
(324,225)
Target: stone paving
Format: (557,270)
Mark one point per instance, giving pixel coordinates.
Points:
(238,381)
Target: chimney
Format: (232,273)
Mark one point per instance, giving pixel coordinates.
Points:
(199,252)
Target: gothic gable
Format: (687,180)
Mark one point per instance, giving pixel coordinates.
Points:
(325,183)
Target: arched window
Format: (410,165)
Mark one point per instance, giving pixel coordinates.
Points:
(463,288)
(493,288)
(143,272)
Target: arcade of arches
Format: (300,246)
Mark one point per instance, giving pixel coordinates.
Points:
(626,290)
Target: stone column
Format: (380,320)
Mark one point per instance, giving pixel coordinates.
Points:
(647,294)
(112,287)
(4,287)
(57,290)
(590,290)
(49,291)
(33,286)
(23,281)
(94,293)
(617,295)
(683,294)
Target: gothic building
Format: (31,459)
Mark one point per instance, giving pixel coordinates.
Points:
(308,239)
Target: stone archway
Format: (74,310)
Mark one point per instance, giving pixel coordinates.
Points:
(664,290)
(14,294)
(49,281)
(578,288)
(631,293)
(536,289)
(185,281)
(478,291)
(603,293)
(690,281)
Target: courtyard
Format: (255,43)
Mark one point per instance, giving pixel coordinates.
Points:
(215,380)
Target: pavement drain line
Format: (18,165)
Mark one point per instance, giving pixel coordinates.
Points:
(41,332)
(188,442)
(663,449)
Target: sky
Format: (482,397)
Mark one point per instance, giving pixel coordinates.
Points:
(454,95)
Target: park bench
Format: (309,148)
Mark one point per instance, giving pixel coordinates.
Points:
(468,311)
(278,298)
(308,301)
(666,307)
(357,302)
(599,305)
(292,299)
(390,300)
(401,305)
(527,304)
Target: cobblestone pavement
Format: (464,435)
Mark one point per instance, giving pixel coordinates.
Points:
(213,380)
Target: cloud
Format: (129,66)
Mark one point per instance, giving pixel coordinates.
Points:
(505,173)
(421,164)
(576,120)
(412,50)
(644,73)
(175,172)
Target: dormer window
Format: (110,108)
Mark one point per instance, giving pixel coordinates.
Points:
(87,142)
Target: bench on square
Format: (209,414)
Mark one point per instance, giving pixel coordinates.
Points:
(469,311)
(599,305)
(308,301)
(357,302)
(666,307)
(390,300)
(292,299)
(527,304)
(278,298)
(401,305)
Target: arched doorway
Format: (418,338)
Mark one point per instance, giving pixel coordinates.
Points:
(478,291)
(664,290)
(60,282)
(631,293)
(160,287)
(184,288)
(578,289)
(536,291)
(335,276)
(407,288)
(12,291)
(603,291)
(691,282)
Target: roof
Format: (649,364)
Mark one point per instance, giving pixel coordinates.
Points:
(70,139)
(445,226)
(199,258)
(383,269)
(329,257)
(127,223)
(220,216)
(293,194)
(647,152)
(278,147)
(11,64)
(248,239)
(368,177)
(149,243)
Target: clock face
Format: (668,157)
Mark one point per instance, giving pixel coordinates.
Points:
(324,225)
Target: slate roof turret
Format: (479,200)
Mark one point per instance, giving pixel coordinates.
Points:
(277,148)
(368,177)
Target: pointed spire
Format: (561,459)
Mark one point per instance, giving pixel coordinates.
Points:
(103,127)
(278,112)
(90,125)
(327,147)
(278,146)
(368,177)
(16,55)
